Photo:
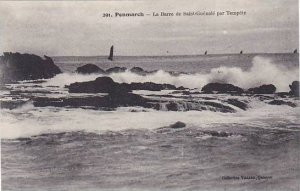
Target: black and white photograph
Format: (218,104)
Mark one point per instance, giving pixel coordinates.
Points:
(149,95)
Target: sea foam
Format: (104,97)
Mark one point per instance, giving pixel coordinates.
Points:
(27,121)
(262,71)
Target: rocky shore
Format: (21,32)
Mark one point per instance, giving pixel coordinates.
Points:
(105,94)
(15,67)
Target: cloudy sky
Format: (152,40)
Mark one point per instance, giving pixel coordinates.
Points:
(78,28)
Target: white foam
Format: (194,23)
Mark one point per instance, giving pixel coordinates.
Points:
(68,78)
(28,121)
(262,71)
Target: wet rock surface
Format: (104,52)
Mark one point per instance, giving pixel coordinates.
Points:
(294,88)
(116,69)
(282,102)
(105,94)
(106,85)
(177,125)
(138,70)
(100,85)
(15,67)
(152,86)
(89,69)
(96,102)
(264,89)
(240,104)
(221,88)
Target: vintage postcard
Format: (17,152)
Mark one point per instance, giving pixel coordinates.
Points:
(150,95)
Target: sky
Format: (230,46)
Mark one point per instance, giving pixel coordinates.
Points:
(77,28)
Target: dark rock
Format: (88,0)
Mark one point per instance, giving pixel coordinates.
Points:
(172,106)
(217,107)
(281,102)
(237,103)
(181,88)
(151,86)
(218,134)
(283,94)
(175,73)
(177,125)
(24,139)
(107,85)
(118,96)
(294,88)
(15,67)
(262,97)
(221,88)
(89,68)
(12,104)
(116,69)
(109,101)
(196,106)
(138,70)
(166,129)
(100,85)
(264,89)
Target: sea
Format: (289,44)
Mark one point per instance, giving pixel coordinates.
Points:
(136,149)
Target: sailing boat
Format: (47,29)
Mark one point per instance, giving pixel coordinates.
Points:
(241,52)
(205,53)
(295,51)
(111,53)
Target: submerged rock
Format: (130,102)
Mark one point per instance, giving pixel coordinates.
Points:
(166,129)
(214,106)
(118,94)
(172,106)
(13,104)
(15,67)
(237,103)
(194,106)
(218,134)
(100,85)
(107,101)
(294,88)
(138,70)
(89,68)
(177,125)
(283,94)
(107,85)
(116,69)
(281,102)
(221,88)
(264,89)
(152,86)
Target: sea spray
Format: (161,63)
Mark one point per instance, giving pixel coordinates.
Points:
(28,121)
(262,71)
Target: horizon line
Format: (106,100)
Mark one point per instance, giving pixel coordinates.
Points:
(180,54)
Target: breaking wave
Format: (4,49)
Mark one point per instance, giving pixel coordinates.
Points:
(28,121)
(262,71)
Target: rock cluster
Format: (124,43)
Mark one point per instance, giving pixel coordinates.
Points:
(294,88)
(15,67)
(221,88)
(89,69)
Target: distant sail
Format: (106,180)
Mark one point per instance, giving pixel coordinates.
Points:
(295,51)
(111,53)
(241,52)
(205,53)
